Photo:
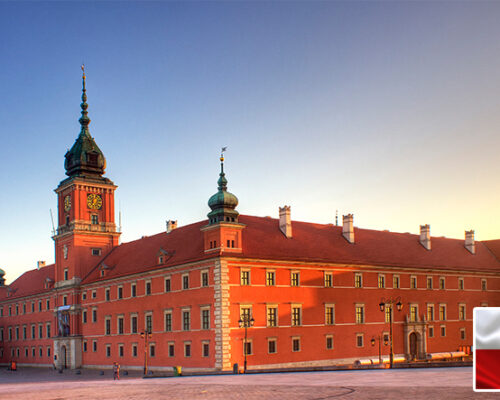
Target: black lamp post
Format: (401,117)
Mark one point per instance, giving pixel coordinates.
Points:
(245,321)
(389,304)
(146,335)
(379,338)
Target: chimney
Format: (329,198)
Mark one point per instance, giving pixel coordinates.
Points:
(285,221)
(469,241)
(347,228)
(171,225)
(425,236)
(40,264)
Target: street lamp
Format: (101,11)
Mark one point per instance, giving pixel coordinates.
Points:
(245,321)
(389,304)
(379,338)
(146,335)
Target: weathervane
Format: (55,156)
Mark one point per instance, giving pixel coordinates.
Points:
(222,153)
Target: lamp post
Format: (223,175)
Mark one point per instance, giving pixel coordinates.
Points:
(146,335)
(389,304)
(245,321)
(379,338)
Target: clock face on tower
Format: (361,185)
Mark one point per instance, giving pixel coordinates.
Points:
(94,201)
(67,203)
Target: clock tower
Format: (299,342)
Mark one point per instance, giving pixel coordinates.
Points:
(86,229)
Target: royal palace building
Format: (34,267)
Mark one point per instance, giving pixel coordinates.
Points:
(302,294)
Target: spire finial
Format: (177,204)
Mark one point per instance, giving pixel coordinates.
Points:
(222,179)
(84,119)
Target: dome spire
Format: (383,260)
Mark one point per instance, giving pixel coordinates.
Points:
(84,119)
(222,182)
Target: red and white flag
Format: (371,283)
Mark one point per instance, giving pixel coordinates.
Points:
(487,349)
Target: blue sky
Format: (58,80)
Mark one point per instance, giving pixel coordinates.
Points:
(388,110)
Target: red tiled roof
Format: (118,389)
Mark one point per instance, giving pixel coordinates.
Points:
(31,282)
(262,239)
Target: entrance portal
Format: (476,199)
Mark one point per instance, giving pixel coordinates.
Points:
(63,357)
(413,346)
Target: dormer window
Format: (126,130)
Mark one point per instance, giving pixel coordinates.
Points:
(160,260)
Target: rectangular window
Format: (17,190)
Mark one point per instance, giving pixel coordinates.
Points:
(107,322)
(271,346)
(430,312)
(168,321)
(94,294)
(152,350)
(40,305)
(360,314)
(94,315)
(107,294)
(295,278)
(328,279)
(133,290)
(381,281)
(413,282)
(462,333)
(94,219)
(17,333)
(134,350)
(33,329)
(96,252)
(329,314)
(442,283)
(48,351)
(205,319)
(40,331)
(133,324)
(442,312)
(168,287)
(149,323)
(120,325)
(429,282)
(395,281)
(185,282)
(187,349)
(461,283)
(443,330)
(120,292)
(66,274)
(329,342)
(48,306)
(413,313)
(272,316)
(296,316)
(245,277)
(94,346)
(483,284)
(108,350)
(461,312)
(359,340)
(247,347)
(148,288)
(204,278)
(120,350)
(47,327)
(358,280)
(295,344)
(40,352)
(171,349)
(388,314)
(205,349)
(84,346)
(270,278)
(186,320)
(25,333)
(65,300)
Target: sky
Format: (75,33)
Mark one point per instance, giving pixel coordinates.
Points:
(388,110)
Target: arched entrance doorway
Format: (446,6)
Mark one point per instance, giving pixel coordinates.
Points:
(63,357)
(413,346)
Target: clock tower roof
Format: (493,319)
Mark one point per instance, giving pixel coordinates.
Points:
(84,159)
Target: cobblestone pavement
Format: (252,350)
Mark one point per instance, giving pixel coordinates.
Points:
(435,383)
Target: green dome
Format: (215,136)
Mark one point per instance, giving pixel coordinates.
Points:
(2,272)
(222,203)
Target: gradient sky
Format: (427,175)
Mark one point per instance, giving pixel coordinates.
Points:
(387,110)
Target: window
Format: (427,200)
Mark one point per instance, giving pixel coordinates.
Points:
(94,219)
(94,345)
(25,333)
(133,324)
(245,277)
(388,314)
(247,347)
(120,350)
(359,340)
(66,274)
(47,328)
(381,281)
(120,292)
(462,333)
(148,288)
(329,314)
(329,342)
(168,321)
(186,320)
(152,350)
(429,282)
(94,294)
(107,293)
(33,330)
(272,316)
(94,315)
(296,344)
(32,307)
(187,349)
(167,285)
(204,278)
(149,323)
(413,313)
(461,312)
(205,349)
(134,350)
(185,281)
(442,312)
(10,309)
(443,330)
(245,313)
(96,252)
(483,284)
(40,305)
(328,279)
(360,314)
(430,312)
(441,283)
(10,332)
(120,320)
(48,306)
(133,290)
(84,296)
(171,349)
(84,346)
(296,316)
(271,346)
(108,350)
(270,278)
(48,351)
(65,300)
(40,352)
(205,318)
(17,309)
(25,352)
(40,331)
(358,280)
(413,282)
(17,333)
(461,284)
(33,350)
(107,327)
(295,278)
(395,281)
